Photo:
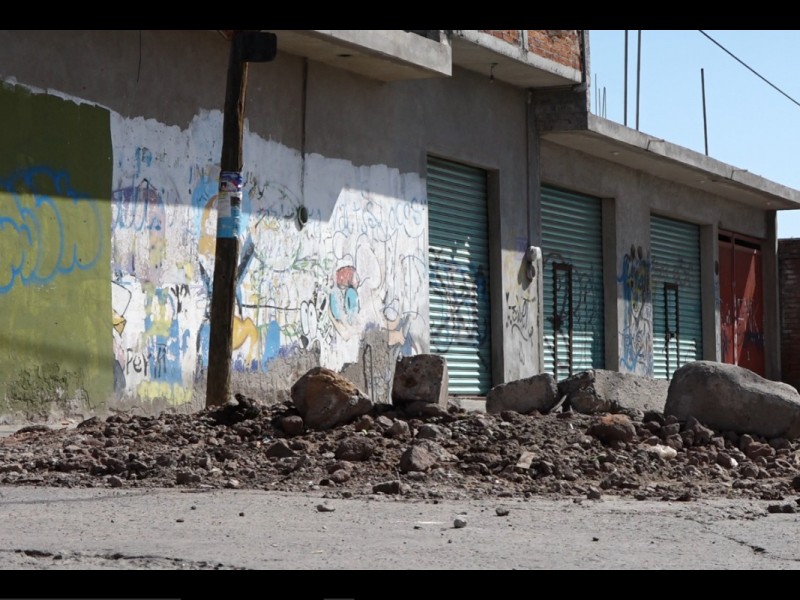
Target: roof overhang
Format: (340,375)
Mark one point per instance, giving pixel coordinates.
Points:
(630,148)
(481,52)
(386,55)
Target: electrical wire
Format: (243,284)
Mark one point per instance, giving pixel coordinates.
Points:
(749,67)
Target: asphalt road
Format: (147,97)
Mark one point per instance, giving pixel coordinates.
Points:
(60,528)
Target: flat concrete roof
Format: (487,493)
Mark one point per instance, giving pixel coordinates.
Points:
(630,148)
(386,54)
(485,54)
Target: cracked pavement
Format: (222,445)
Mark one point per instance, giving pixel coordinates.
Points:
(231,488)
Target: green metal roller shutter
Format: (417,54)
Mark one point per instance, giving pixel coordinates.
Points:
(676,293)
(572,250)
(459,274)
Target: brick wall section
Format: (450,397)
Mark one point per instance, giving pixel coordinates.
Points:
(789,277)
(512,36)
(559,45)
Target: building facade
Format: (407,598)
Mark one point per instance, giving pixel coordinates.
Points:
(404,192)
(789,283)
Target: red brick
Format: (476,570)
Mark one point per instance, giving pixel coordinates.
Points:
(559,45)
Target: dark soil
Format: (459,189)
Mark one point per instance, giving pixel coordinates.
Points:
(456,454)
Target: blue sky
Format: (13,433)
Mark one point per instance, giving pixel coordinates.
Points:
(751,125)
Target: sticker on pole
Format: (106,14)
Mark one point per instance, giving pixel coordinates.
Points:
(229,204)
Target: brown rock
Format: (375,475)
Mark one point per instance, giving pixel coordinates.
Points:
(416,458)
(384,422)
(399,429)
(757,449)
(726,460)
(613,428)
(431,432)
(325,399)
(340,476)
(388,487)
(280,449)
(701,435)
(339,465)
(674,441)
(184,477)
(354,448)
(363,423)
(292,425)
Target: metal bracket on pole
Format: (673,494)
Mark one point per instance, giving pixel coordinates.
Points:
(255,46)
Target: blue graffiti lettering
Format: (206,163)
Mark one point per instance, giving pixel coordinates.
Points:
(39,237)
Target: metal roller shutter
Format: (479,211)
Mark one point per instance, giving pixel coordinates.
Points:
(676,293)
(459,274)
(572,250)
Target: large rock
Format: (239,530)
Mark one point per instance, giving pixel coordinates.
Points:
(325,399)
(420,378)
(730,398)
(598,390)
(524,395)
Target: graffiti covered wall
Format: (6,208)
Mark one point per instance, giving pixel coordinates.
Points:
(329,253)
(55,177)
(636,337)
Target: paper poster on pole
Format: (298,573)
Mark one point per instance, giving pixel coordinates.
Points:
(229,204)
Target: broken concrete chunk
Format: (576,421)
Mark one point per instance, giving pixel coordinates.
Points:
(420,378)
(537,393)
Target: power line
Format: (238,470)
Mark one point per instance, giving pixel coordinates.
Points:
(749,67)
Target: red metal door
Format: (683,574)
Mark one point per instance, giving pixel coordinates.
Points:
(750,309)
(726,302)
(741,305)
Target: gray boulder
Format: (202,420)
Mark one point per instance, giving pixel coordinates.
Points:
(730,398)
(325,399)
(524,395)
(599,390)
(420,378)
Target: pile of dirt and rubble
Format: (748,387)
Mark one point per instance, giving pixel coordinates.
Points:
(436,454)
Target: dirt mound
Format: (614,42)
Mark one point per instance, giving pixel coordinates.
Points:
(445,454)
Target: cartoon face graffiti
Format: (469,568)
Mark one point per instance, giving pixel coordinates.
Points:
(344,303)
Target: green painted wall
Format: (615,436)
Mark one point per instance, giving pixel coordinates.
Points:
(55,292)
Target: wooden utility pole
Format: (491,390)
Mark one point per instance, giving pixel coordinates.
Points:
(246,46)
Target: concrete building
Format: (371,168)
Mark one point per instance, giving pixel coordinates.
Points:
(789,285)
(403,192)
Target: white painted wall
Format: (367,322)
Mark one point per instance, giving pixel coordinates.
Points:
(360,262)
